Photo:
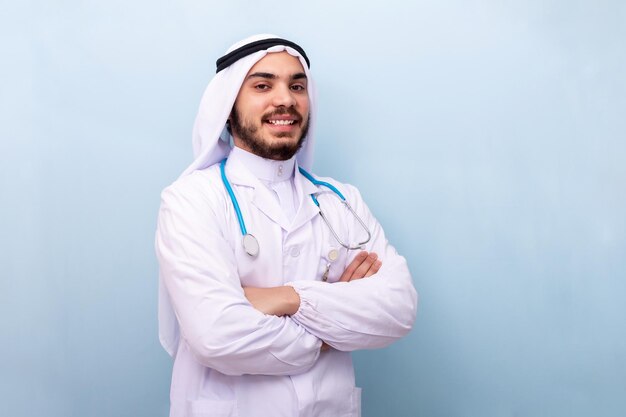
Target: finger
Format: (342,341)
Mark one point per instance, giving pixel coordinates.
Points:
(374,268)
(364,267)
(356,262)
(358,259)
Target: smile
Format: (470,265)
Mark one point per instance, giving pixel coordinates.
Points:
(281,122)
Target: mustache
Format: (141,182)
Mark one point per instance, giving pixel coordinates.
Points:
(283,111)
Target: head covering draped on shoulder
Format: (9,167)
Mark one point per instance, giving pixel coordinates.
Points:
(211,140)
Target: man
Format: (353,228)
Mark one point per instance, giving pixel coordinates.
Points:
(262,298)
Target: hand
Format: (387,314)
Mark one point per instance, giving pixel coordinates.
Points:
(362,266)
(276,301)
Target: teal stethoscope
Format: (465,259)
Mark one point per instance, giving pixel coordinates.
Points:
(251,244)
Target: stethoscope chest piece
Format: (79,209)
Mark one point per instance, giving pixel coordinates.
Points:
(250,245)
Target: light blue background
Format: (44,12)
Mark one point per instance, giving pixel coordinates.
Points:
(489,137)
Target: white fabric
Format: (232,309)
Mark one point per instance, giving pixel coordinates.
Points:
(275,175)
(266,170)
(211,144)
(233,360)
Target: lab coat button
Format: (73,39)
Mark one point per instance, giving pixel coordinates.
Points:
(295,252)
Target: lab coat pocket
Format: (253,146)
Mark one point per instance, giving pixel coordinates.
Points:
(212,408)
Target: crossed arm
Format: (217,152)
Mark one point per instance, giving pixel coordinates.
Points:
(285,301)
(362,313)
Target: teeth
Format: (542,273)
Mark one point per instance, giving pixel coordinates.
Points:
(281,122)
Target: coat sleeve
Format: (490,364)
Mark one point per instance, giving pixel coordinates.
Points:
(221,327)
(367,313)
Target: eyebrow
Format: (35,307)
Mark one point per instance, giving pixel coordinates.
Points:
(270,76)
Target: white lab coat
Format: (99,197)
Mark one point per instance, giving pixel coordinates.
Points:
(233,360)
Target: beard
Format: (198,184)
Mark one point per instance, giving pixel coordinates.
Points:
(248,134)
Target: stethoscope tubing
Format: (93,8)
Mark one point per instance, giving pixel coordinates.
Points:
(242,225)
(315,181)
(322,183)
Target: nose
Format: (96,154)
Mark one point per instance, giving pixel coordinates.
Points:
(283,96)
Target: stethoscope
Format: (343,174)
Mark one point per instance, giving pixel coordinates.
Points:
(251,244)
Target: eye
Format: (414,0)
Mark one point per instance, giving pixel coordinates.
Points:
(298,87)
(262,87)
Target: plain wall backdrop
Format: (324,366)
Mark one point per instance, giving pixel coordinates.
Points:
(489,138)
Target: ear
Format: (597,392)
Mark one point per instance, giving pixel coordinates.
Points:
(230,119)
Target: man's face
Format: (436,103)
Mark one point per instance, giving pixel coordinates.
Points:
(270,117)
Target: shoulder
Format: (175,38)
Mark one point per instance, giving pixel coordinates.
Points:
(350,191)
(198,187)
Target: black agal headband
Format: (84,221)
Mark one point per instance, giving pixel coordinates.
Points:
(252,47)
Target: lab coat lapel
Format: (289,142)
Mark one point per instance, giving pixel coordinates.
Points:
(262,197)
(266,202)
(307,209)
